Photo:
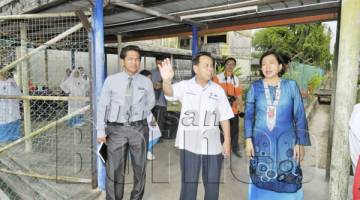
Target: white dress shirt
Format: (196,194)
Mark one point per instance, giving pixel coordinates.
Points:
(202,110)
(354,135)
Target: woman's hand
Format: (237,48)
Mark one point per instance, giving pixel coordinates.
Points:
(249,148)
(299,153)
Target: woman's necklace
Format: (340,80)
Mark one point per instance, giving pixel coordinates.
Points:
(271,105)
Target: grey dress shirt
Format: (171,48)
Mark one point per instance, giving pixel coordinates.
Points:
(112,100)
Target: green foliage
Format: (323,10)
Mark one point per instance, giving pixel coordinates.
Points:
(221,68)
(314,83)
(305,43)
(237,71)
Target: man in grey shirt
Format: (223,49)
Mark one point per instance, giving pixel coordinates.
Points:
(159,110)
(126,100)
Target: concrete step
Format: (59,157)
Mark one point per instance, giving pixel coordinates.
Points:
(95,194)
(35,186)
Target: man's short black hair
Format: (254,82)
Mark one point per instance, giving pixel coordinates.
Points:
(161,57)
(124,50)
(278,58)
(145,72)
(196,59)
(230,58)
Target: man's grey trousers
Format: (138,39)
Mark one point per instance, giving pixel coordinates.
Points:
(120,141)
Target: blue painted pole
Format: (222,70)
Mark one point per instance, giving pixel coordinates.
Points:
(194,45)
(98,77)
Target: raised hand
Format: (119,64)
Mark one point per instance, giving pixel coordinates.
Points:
(166,70)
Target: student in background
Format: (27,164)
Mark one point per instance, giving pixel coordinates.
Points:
(76,86)
(10,119)
(154,130)
(231,85)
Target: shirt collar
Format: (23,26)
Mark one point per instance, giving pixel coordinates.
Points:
(127,75)
(193,81)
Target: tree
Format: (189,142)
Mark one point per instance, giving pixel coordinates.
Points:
(305,43)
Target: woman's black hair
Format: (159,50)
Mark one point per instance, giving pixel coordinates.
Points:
(145,72)
(278,58)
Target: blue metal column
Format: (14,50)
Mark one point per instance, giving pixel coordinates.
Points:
(98,76)
(194,45)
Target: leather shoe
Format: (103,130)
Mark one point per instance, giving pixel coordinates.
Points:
(237,154)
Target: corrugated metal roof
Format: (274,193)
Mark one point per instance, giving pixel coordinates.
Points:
(134,24)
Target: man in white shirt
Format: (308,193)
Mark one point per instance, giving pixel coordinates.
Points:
(126,100)
(204,105)
(354,135)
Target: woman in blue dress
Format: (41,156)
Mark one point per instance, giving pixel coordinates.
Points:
(276,132)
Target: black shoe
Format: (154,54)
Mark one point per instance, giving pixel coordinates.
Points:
(237,154)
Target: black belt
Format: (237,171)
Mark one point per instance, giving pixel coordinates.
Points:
(135,123)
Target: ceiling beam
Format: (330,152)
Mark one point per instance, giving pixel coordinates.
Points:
(253,23)
(285,4)
(155,13)
(270,6)
(173,29)
(197,10)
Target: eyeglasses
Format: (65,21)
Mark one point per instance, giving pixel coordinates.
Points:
(132,59)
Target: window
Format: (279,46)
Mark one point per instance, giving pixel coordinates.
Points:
(216,39)
(185,43)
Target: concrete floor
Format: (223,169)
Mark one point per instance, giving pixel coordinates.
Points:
(163,178)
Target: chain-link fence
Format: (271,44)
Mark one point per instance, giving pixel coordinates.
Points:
(303,73)
(45,121)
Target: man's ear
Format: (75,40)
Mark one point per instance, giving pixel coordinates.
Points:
(122,62)
(195,68)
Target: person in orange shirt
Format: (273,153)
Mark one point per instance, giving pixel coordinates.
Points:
(231,85)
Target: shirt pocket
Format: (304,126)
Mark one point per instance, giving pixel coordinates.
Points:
(139,96)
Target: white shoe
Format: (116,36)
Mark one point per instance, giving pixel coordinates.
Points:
(150,156)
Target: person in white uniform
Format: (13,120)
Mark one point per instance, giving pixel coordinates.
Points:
(204,105)
(75,85)
(10,119)
(154,129)
(354,135)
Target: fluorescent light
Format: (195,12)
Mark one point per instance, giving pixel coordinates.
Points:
(221,12)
